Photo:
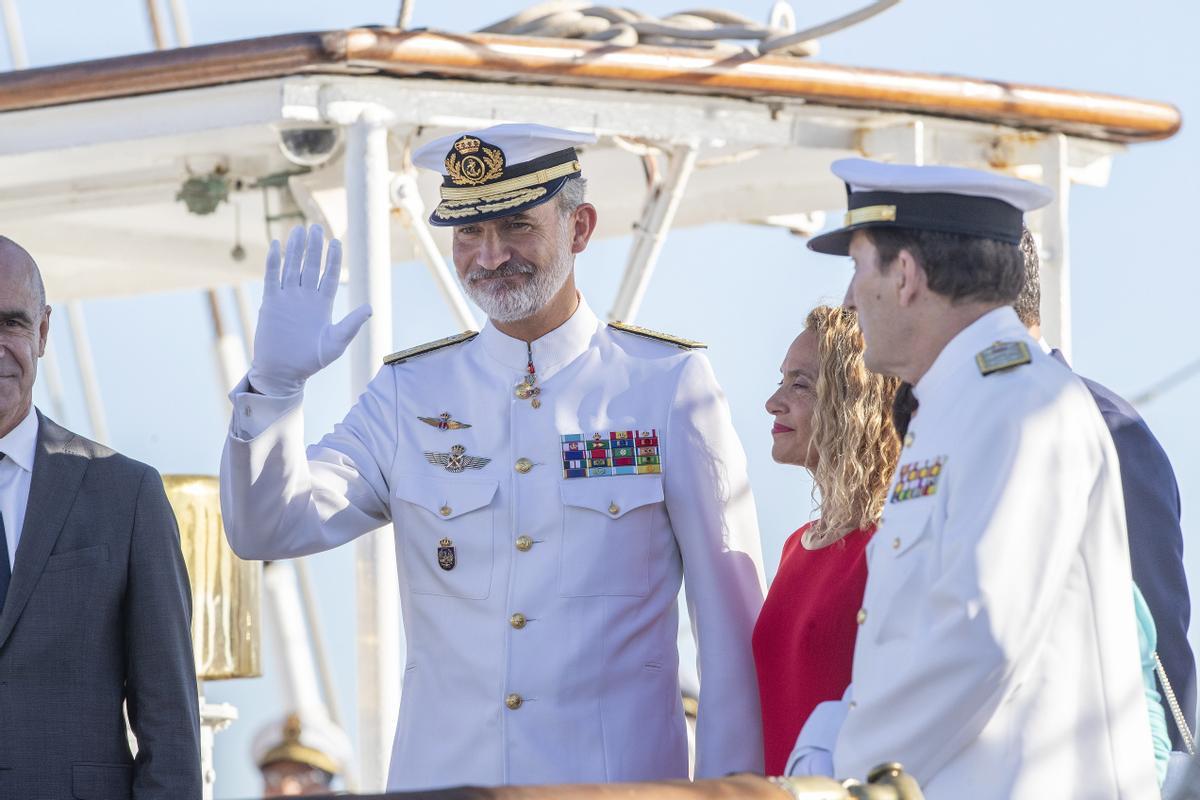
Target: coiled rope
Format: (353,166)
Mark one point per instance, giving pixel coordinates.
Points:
(706,28)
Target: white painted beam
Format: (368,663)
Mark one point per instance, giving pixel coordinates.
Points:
(367,247)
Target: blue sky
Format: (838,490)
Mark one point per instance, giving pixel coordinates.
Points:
(743,290)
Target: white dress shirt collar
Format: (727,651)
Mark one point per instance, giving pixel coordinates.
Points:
(557,348)
(20,444)
(999,324)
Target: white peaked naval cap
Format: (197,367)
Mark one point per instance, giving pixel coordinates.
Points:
(501,170)
(957,200)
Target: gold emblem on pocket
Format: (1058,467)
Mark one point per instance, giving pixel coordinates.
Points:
(447,558)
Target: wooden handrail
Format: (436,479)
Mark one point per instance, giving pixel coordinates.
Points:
(527,60)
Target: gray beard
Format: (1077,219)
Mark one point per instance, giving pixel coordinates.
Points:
(511,305)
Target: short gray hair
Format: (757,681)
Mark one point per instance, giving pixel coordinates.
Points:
(571,195)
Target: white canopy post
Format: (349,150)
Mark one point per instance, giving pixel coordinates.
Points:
(1055,252)
(368,250)
(656,220)
(16,37)
(412,212)
(87,372)
(50,369)
(230,349)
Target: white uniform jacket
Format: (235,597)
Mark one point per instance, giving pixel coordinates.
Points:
(540,611)
(998,655)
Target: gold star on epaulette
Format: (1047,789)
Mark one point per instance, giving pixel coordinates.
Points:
(646,333)
(1001,356)
(429,347)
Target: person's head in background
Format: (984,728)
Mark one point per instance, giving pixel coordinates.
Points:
(300,755)
(833,417)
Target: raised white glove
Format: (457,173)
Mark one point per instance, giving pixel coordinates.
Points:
(296,336)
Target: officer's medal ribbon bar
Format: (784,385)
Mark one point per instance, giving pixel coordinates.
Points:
(600,455)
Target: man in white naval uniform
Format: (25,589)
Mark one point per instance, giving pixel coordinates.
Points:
(550,482)
(997,655)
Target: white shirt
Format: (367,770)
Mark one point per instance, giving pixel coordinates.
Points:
(16,470)
(540,608)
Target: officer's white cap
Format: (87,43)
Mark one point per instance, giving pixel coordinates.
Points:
(307,737)
(956,200)
(501,170)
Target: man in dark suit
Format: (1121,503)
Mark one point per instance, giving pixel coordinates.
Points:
(1152,513)
(96,604)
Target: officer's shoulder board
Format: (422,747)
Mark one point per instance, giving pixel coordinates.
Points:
(429,347)
(645,333)
(1001,356)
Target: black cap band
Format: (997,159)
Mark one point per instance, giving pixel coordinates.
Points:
(966,215)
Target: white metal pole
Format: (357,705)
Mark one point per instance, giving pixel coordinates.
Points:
(246,318)
(408,200)
(87,371)
(183,32)
(369,259)
(297,674)
(231,351)
(1055,246)
(656,220)
(16,37)
(52,372)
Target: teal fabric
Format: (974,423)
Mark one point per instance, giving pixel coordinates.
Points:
(1147,642)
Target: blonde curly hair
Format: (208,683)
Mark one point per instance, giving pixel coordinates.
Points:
(852,431)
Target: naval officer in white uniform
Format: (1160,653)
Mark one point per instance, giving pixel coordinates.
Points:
(550,481)
(997,655)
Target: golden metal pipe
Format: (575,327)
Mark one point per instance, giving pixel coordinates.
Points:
(226,591)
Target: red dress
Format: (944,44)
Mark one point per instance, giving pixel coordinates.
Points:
(804,637)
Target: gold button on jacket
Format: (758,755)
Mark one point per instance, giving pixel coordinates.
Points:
(523,465)
(513,701)
(517,621)
(862,616)
(524,544)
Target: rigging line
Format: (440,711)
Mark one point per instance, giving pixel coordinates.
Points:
(1168,383)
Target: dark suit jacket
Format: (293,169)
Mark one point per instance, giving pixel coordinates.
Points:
(98,613)
(1152,513)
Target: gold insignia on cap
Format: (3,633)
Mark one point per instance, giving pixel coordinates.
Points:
(429,347)
(857,216)
(1001,356)
(293,749)
(472,162)
(646,333)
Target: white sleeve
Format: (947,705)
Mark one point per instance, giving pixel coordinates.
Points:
(279,501)
(813,753)
(1017,502)
(714,521)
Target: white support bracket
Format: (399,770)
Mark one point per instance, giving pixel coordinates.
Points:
(657,215)
(407,200)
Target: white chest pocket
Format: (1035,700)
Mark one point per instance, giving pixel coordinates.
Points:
(607,524)
(900,568)
(446,530)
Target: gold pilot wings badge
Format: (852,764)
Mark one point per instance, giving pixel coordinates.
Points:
(444,422)
(1002,356)
(457,459)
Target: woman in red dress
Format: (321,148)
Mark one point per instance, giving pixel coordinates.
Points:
(834,418)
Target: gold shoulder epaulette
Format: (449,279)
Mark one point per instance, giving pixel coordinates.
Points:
(686,344)
(1002,356)
(429,347)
